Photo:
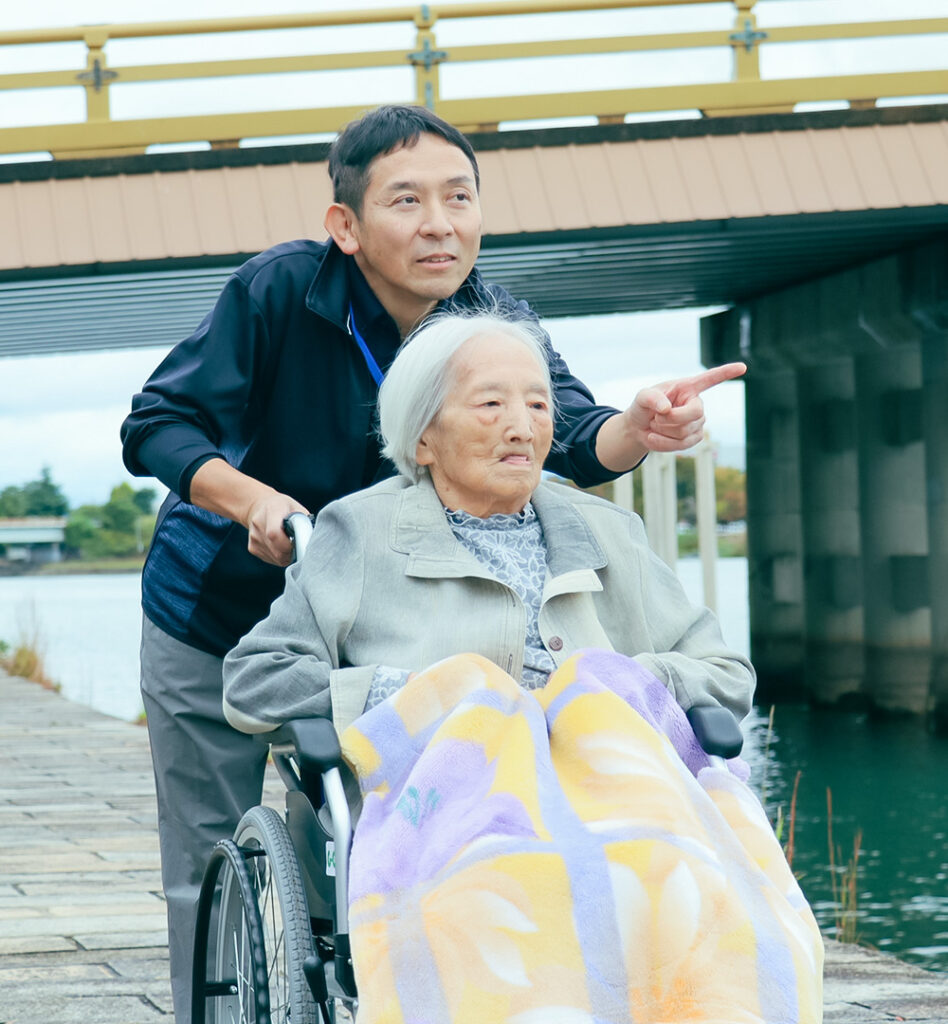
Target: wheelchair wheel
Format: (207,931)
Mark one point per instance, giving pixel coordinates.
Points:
(287,932)
(263,961)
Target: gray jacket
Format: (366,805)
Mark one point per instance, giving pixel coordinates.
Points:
(384,581)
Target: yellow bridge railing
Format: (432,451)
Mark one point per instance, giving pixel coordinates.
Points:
(102,134)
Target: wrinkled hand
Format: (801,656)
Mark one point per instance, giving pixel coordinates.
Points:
(669,417)
(266,537)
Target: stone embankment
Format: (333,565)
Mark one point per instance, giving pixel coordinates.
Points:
(82,925)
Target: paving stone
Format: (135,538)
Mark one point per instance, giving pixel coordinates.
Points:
(89,901)
(50,863)
(102,882)
(83,1010)
(156,938)
(42,974)
(34,944)
(87,924)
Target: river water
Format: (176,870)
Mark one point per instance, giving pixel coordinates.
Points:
(888,779)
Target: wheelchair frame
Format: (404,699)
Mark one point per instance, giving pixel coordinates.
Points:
(272,936)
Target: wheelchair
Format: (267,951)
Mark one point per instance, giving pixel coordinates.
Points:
(272,942)
(272,936)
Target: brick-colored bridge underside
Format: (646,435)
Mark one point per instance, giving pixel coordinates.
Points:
(131,251)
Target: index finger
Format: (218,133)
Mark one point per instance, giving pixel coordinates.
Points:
(691,386)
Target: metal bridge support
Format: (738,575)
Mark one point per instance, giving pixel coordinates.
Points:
(847,454)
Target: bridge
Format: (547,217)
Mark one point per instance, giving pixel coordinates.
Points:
(36,539)
(824,232)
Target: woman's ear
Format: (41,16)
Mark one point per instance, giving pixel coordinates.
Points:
(423,453)
(342,225)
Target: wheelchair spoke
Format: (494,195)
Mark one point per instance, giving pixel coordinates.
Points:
(277,974)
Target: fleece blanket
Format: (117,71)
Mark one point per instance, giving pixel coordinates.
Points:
(565,856)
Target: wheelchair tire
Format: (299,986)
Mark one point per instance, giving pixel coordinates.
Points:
(287,932)
(230,962)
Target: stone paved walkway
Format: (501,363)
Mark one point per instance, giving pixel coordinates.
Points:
(82,925)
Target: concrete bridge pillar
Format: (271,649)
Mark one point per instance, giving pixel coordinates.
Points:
(834,667)
(775,542)
(930,310)
(847,461)
(775,538)
(893,521)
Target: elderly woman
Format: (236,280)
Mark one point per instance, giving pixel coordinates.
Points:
(540,836)
(468,551)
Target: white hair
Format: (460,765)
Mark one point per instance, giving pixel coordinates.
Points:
(418,381)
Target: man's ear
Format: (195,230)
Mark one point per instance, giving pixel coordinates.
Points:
(342,225)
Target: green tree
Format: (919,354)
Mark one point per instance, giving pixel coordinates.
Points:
(116,529)
(121,511)
(685,489)
(43,497)
(731,490)
(12,503)
(81,527)
(144,498)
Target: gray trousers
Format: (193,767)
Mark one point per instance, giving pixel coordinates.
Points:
(206,776)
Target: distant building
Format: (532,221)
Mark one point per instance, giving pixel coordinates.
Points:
(33,540)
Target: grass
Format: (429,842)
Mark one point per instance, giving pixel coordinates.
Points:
(77,566)
(24,659)
(730,545)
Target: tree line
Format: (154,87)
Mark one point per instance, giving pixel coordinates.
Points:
(123,525)
(119,528)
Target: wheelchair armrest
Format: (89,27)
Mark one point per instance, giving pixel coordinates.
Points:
(717,731)
(314,740)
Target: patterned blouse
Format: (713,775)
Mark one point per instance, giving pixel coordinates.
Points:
(513,549)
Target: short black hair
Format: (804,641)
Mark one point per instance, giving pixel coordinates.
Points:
(377,133)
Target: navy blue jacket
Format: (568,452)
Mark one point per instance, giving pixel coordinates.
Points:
(273,382)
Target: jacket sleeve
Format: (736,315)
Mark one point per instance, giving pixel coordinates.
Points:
(578,417)
(688,652)
(199,402)
(292,663)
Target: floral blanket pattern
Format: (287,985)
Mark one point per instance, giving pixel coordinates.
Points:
(565,856)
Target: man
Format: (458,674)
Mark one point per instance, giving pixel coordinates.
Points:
(269,409)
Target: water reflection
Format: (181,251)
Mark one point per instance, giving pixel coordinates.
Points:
(889,781)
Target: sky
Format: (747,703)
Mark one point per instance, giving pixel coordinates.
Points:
(64,411)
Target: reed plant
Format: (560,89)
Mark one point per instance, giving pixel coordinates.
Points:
(24,659)
(844,876)
(844,879)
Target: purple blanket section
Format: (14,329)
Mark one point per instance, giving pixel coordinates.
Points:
(649,696)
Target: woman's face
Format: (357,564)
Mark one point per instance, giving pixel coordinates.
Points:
(487,445)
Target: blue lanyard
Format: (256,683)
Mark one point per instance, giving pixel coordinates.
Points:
(370,362)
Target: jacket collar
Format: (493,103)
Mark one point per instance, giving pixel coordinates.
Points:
(331,292)
(421,530)
(328,295)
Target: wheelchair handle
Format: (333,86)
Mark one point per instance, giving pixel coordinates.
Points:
(298,526)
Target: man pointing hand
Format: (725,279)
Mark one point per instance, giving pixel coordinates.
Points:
(667,417)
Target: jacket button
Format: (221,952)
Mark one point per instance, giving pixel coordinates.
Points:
(555,644)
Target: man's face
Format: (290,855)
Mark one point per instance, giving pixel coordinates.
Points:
(419,231)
